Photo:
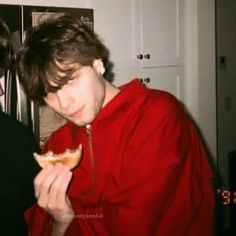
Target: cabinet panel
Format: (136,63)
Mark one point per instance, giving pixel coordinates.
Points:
(166,78)
(161,32)
(116,26)
(124,75)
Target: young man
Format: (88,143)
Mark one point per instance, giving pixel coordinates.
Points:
(144,171)
(17,166)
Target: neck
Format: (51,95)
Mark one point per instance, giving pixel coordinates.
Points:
(110,92)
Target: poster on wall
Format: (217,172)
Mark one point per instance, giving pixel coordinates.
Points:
(33,15)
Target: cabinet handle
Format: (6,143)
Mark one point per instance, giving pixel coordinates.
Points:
(140,56)
(147,56)
(145,80)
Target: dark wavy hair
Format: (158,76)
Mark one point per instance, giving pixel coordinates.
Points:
(6,48)
(52,50)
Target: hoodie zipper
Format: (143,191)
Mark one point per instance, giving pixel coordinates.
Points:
(91,153)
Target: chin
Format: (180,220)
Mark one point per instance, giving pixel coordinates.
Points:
(82,123)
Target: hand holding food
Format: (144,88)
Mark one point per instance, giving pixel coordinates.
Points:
(51,186)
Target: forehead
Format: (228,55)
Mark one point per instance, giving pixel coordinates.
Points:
(60,73)
(65,70)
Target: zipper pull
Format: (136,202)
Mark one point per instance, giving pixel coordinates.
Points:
(88,131)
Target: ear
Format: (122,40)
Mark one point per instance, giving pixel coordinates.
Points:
(98,66)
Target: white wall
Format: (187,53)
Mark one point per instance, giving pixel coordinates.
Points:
(207,72)
(200,75)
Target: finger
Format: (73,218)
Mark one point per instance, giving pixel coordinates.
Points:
(46,183)
(39,179)
(59,187)
(61,195)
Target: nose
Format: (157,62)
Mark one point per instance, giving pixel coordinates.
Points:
(63,98)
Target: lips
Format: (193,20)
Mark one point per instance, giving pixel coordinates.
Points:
(76,113)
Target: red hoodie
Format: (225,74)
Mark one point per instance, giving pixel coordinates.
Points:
(151,175)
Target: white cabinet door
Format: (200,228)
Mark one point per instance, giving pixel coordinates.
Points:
(124,75)
(114,22)
(166,78)
(141,27)
(160,31)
